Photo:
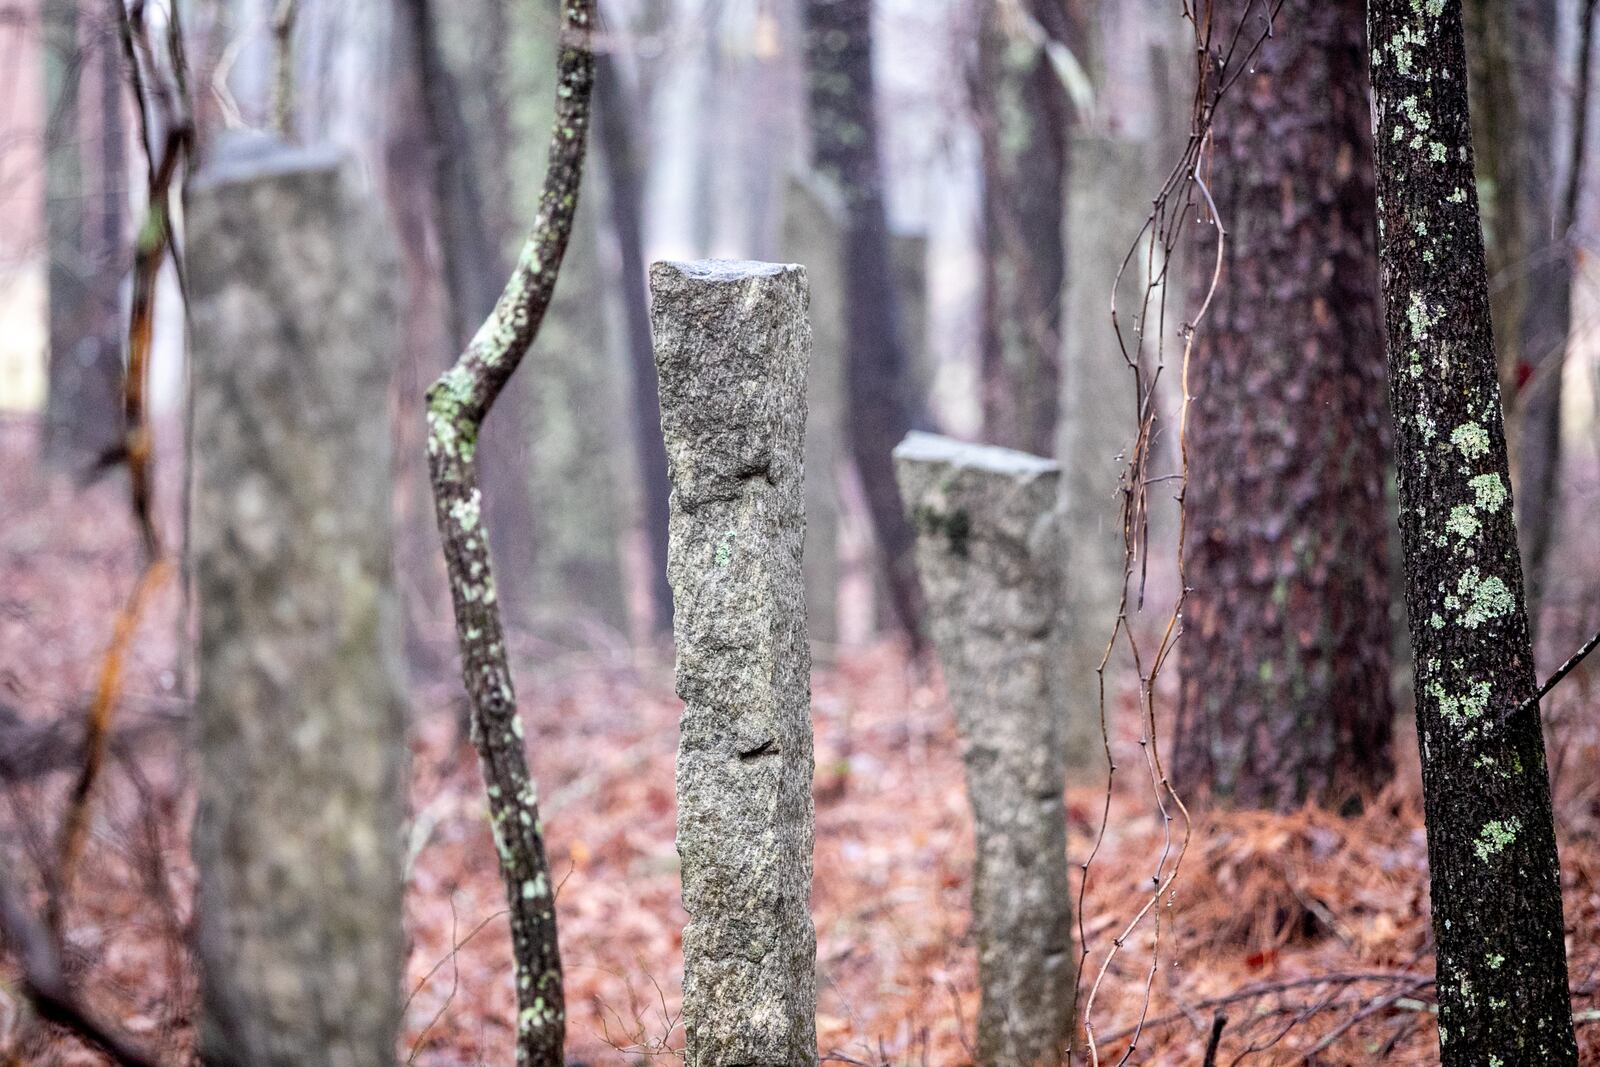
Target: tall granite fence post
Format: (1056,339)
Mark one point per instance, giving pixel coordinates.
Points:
(1108,200)
(987,556)
(731,346)
(301,724)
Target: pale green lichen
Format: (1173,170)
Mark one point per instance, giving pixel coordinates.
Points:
(1414,113)
(1496,836)
(1490,491)
(1484,598)
(1463,522)
(1420,318)
(1458,709)
(448,429)
(1489,494)
(1471,440)
(465,513)
(536,1015)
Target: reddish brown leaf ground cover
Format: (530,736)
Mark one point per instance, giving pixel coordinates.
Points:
(1265,904)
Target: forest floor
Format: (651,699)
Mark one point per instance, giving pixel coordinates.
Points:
(1309,931)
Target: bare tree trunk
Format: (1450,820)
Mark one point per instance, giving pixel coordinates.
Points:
(1023,121)
(472,273)
(1497,912)
(83,223)
(619,165)
(1107,203)
(1515,71)
(408,189)
(1285,694)
(844,130)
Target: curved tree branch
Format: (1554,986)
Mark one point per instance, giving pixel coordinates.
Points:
(457,405)
(47,988)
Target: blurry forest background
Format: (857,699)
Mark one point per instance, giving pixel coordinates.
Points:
(1021,145)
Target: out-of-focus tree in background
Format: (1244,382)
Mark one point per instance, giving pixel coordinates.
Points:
(86,177)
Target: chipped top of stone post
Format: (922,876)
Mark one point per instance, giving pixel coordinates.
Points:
(725,332)
(982,499)
(921,447)
(250,155)
(946,450)
(721,270)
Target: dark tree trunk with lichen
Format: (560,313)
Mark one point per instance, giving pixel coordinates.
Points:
(1285,692)
(844,131)
(457,405)
(1497,915)
(1023,123)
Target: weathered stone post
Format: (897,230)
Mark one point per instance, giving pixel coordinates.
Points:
(987,557)
(731,344)
(1107,203)
(302,739)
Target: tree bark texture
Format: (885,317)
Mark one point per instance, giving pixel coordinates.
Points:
(732,344)
(457,405)
(473,270)
(85,175)
(987,551)
(582,484)
(621,168)
(1286,645)
(302,741)
(844,132)
(1497,916)
(1023,122)
(813,235)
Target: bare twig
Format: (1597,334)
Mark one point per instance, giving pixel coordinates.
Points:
(97,736)
(1554,680)
(1377,1004)
(47,989)
(1408,981)
(29,751)
(283,87)
(162,97)
(1143,347)
(457,405)
(1217,1024)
